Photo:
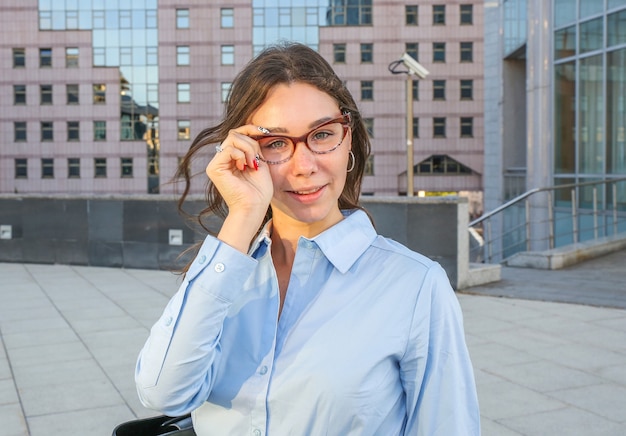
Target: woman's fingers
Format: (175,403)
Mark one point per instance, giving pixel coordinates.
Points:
(241,148)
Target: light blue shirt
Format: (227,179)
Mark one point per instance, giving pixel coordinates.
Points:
(370,341)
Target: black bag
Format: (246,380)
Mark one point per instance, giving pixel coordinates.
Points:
(157,426)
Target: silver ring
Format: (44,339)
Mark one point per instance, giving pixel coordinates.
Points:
(218,149)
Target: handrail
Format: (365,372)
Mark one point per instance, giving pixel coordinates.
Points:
(519,232)
(535,190)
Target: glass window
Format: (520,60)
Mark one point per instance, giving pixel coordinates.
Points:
(19,58)
(439,89)
(151,19)
(152,56)
(349,13)
(616,112)
(73,168)
(184,130)
(72,94)
(183,92)
(21,168)
(100,167)
(45,94)
(410,14)
(182,55)
(227,17)
(439,51)
(71,57)
(339,53)
(467,52)
(565,42)
(564,117)
(467,127)
(99,130)
(45,57)
(182,18)
(412,48)
(439,127)
(45,20)
(590,7)
(591,35)
(616,31)
(564,12)
(466,14)
(367,53)
(99,93)
(71,19)
(467,89)
(439,15)
(228,54)
(416,127)
(415,89)
(19,94)
(73,131)
(47,168)
(369,166)
(126,165)
(225,91)
(367,90)
(126,20)
(47,131)
(591,116)
(19,131)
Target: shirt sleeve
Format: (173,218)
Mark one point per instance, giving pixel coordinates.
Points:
(175,369)
(436,370)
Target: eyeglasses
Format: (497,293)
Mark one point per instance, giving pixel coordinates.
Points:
(326,137)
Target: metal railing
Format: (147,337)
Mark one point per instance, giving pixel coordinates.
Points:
(545,218)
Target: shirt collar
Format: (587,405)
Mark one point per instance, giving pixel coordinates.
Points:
(346,241)
(342,244)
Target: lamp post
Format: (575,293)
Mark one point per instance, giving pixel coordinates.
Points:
(412,68)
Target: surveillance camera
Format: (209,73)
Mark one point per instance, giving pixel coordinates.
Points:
(414,66)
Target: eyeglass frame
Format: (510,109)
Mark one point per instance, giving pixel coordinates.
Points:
(345,119)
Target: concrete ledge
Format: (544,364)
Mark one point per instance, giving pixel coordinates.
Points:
(567,255)
(480,274)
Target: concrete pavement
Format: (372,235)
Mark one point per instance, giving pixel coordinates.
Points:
(70,336)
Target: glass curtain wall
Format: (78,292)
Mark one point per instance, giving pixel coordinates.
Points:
(589,100)
(299,20)
(125,37)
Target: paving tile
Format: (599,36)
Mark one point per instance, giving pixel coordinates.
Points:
(8,395)
(604,400)
(506,400)
(13,422)
(41,337)
(493,428)
(97,421)
(48,353)
(69,397)
(545,376)
(59,373)
(568,421)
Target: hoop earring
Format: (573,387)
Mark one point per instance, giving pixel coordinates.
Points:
(353,162)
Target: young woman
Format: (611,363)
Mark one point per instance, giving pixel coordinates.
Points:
(297,318)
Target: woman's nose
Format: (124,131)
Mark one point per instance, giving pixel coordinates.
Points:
(304,160)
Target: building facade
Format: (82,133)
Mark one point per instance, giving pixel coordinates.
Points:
(105,96)
(556,109)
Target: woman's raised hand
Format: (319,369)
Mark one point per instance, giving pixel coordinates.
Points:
(245,184)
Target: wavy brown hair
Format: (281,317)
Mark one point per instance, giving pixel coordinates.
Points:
(279,64)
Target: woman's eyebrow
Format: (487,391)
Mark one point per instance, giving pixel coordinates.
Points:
(311,125)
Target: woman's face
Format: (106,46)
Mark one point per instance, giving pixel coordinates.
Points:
(306,187)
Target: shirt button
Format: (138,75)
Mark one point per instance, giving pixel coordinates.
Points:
(202,259)
(219,267)
(256,432)
(263,370)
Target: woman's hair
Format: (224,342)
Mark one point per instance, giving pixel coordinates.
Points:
(280,64)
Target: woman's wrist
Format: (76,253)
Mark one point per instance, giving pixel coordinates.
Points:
(239,229)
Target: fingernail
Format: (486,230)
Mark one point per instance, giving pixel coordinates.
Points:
(263,130)
(256,162)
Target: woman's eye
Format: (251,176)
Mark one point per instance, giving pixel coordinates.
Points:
(274,144)
(320,136)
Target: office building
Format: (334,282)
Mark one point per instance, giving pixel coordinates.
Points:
(555,111)
(105,96)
